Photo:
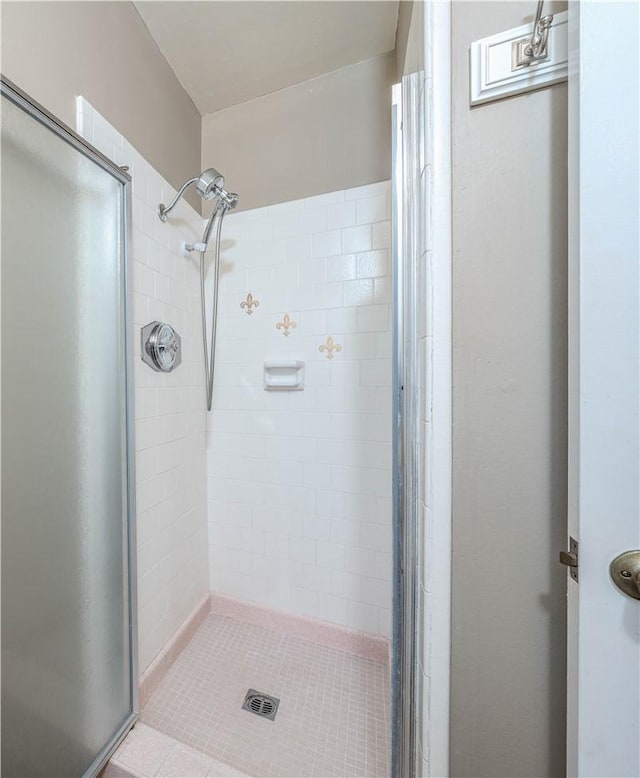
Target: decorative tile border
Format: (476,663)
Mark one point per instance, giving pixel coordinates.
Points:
(330,347)
(322,633)
(287,324)
(159,667)
(250,304)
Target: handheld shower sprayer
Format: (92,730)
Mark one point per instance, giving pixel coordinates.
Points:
(210,185)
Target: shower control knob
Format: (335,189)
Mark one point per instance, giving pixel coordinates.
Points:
(161,346)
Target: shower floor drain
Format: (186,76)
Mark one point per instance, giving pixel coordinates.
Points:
(261,704)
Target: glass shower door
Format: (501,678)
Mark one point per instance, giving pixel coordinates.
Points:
(68,651)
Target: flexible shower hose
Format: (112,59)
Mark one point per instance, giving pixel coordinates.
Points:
(210,349)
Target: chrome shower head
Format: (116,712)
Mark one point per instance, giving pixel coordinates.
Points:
(210,184)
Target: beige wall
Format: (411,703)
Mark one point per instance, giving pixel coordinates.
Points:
(509,316)
(325,134)
(509,201)
(406,26)
(103,51)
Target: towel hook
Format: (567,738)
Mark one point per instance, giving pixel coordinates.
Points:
(532,49)
(536,49)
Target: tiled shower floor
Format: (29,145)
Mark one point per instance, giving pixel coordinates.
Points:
(334,714)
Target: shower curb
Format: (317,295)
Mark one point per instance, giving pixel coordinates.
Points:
(148,753)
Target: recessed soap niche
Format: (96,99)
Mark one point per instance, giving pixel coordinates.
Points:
(284,376)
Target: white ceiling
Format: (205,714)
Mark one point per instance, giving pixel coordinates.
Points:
(225,53)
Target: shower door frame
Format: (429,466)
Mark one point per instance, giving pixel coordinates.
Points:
(405,412)
(422,405)
(36,111)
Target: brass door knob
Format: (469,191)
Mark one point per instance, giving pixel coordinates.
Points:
(625,573)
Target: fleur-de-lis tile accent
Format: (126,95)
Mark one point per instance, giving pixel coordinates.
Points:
(330,346)
(286,324)
(249,304)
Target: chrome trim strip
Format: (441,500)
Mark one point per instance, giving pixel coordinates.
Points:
(407,398)
(107,752)
(9,90)
(129,335)
(397,696)
(411,411)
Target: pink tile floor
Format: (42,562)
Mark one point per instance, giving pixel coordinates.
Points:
(334,714)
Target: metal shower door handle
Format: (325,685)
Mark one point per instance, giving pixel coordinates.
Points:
(625,573)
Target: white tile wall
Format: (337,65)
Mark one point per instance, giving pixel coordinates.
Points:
(299,483)
(169,408)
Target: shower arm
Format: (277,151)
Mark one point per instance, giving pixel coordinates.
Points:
(163,210)
(230,200)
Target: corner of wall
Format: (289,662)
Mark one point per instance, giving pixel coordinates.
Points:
(405,12)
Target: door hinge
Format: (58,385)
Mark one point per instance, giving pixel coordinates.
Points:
(570,558)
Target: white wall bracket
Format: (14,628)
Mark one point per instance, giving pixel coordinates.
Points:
(495,62)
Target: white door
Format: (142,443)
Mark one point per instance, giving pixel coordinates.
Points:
(604,466)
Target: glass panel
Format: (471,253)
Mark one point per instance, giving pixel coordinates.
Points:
(65,614)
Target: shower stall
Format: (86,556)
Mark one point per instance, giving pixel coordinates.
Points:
(274,567)
(69,630)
